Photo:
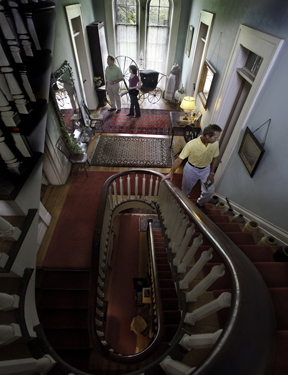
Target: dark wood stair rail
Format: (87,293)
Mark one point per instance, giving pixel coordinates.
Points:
(250,332)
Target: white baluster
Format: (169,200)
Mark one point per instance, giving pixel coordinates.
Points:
(156,188)
(172,367)
(8,301)
(101,273)
(8,156)
(27,366)
(98,323)
(7,231)
(9,333)
(5,26)
(190,253)
(129,187)
(201,341)
(150,189)
(178,238)
(205,256)
(143,186)
(203,285)
(115,193)
(100,333)
(136,186)
(13,85)
(121,189)
(100,293)
(3,259)
(100,313)
(100,282)
(110,197)
(183,247)
(99,302)
(224,300)
(5,88)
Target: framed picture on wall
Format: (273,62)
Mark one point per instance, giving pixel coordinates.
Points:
(206,83)
(250,151)
(189,40)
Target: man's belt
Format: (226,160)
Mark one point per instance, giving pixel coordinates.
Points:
(197,167)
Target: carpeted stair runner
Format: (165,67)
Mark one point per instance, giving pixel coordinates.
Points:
(275,275)
(62,304)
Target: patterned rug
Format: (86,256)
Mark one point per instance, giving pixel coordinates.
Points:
(121,151)
(152,121)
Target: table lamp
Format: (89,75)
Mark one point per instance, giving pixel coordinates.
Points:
(187,104)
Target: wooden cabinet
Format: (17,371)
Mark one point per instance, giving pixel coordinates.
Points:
(99,52)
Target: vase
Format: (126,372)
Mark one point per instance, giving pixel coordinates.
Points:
(97,84)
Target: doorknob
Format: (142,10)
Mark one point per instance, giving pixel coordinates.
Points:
(84,80)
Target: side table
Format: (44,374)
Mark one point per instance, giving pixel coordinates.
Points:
(177,126)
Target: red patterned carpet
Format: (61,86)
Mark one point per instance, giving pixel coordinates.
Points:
(152,121)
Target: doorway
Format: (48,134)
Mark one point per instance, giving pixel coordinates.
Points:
(83,63)
(248,44)
(200,51)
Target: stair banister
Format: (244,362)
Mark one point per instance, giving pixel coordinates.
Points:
(252,317)
(249,316)
(95,261)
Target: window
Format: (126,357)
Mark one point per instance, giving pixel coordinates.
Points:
(126,28)
(157,35)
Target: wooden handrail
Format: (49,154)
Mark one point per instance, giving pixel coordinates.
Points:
(133,358)
(249,335)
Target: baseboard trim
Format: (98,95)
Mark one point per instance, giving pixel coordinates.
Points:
(266,227)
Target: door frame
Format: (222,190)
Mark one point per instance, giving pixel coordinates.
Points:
(83,63)
(262,44)
(198,59)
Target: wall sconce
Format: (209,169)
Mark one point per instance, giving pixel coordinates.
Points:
(187,104)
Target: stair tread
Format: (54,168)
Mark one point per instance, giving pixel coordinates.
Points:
(63,319)
(69,299)
(68,338)
(59,279)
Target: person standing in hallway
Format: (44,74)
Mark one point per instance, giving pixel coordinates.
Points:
(134,86)
(113,76)
(202,154)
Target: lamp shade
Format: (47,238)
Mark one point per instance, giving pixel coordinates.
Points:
(188,103)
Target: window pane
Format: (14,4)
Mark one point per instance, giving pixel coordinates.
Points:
(153,16)
(154,3)
(126,41)
(121,14)
(131,15)
(163,17)
(121,2)
(164,3)
(157,46)
(131,2)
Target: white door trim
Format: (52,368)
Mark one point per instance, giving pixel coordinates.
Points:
(197,61)
(82,57)
(262,44)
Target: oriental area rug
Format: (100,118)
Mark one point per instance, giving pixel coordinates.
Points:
(122,151)
(152,121)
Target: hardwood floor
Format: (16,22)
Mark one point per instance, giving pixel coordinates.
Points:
(53,197)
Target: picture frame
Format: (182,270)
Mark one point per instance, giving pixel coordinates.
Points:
(206,83)
(189,39)
(251,152)
(198,115)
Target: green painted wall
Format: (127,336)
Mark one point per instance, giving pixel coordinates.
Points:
(266,193)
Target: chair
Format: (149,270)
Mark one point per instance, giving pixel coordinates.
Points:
(93,117)
(79,159)
(189,134)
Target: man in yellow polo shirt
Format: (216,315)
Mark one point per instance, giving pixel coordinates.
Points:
(202,154)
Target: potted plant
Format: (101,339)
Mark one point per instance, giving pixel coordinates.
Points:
(98,81)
